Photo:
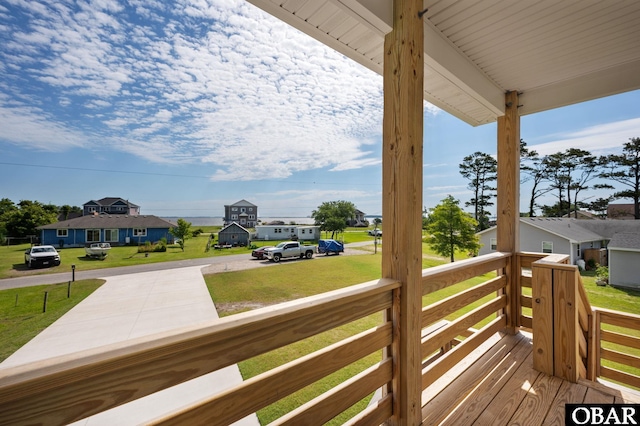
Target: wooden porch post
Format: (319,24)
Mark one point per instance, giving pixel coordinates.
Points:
(508,205)
(402,200)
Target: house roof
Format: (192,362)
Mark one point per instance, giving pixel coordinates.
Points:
(555,53)
(235,225)
(580,230)
(111,221)
(243,202)
(620,210)
(108,201)
(565,228)
(625,241)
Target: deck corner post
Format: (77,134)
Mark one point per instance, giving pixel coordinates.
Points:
(508,204)
(402,160)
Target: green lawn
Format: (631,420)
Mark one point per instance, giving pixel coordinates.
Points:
(21,310)
(239,291)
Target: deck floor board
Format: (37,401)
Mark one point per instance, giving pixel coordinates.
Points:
(500,387)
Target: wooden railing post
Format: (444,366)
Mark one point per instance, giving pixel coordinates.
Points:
(542,321)
(402,199)
(557,332)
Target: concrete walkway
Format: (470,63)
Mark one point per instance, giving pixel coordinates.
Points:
(130,306)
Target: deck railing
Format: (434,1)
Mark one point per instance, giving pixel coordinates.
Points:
(69,388)
(446,341)
(574,340)
(568,341)
(615,348)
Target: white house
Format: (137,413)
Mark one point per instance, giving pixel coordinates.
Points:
(286,232)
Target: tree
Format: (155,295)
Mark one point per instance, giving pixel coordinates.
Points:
(532,166)
(625,169)
(481,169)
(451,229)
(23,220)
(333,216)
(182,232)
(569,172)
(66,210)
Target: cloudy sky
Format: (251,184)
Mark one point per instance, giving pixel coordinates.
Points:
(182,107)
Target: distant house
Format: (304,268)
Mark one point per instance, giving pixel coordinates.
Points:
(358,220)
(110,205)
(615,243)
(113,229)
(621,211)
(243,212)
(287,232)
(234,234)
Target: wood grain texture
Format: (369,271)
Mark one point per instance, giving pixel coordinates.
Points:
(443,276)
(508,184)
(538,401)
(69,388)
(542,322)
(568,393)
(439,310)
(402,170)
(565,313)
(260,391)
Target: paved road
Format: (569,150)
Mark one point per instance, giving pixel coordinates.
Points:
(215,264)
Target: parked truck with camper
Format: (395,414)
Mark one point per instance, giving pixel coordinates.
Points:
(289,249)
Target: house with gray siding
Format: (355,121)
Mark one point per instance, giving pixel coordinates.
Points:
(103,228)
(242,212)
(234,234)
(618,240)
(110,205)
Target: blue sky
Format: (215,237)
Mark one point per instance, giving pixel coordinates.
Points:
(183,107)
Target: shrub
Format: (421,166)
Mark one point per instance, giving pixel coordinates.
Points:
(591,264)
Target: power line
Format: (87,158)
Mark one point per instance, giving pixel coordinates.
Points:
(111,171)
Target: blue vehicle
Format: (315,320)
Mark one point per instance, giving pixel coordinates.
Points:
(330,246)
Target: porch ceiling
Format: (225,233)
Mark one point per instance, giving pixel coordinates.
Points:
(555,53)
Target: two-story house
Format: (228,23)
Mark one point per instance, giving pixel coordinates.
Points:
(242,212)
(110,205)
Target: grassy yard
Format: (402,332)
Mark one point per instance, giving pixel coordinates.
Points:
(238,291)
(21,316)
(12,257)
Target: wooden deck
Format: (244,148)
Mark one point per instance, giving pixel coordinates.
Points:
(497,385)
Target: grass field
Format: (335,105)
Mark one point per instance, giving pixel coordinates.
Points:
(12,257)
(21,310)
(239,291)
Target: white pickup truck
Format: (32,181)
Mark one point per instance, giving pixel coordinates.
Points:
(290,249)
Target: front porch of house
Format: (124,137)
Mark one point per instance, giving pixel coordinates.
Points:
(473,368)
(572,344)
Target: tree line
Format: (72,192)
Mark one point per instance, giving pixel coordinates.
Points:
(567,175)
(22,219)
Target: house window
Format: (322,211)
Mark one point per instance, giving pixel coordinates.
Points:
(111,235)
(93,235)
(251,217)
(91,209)
(250,209)
(234,217)
(242,210)
(547,246)
(494,244)
(62,233)
(139,232)
(302,231)
(234,209)
(578,251)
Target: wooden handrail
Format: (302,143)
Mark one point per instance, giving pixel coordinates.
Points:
(71,387)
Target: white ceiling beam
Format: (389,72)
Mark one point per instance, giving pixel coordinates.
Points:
(440,55)
(610,81)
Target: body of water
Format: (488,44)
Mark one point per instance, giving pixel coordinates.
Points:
(218,221)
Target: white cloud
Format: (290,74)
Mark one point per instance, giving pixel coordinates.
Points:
(600,139)
(200,82)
